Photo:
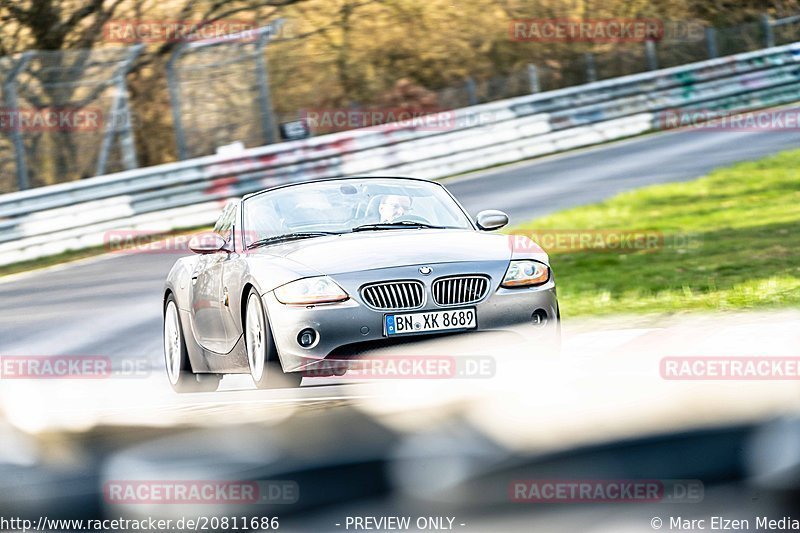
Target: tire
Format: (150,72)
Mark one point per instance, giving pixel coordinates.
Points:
(262,354)
(176,357)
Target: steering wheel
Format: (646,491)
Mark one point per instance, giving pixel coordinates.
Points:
(412,218)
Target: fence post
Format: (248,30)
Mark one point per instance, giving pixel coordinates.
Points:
(10,91)
(127,142)
(110,129)
(175,101)
(769,35)
(711,43)
(591,70)
(533,78)
(120,110)
(650,52)
(264,96)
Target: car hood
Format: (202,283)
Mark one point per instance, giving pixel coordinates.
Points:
(388,248)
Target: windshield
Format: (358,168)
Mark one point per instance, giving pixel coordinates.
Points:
(342,206)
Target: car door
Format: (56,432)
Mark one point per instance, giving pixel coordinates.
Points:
(233,274)
(208,295)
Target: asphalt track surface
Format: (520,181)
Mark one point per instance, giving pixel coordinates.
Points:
(111,306)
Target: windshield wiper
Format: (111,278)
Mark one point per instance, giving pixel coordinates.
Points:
(290,237)
(396,225)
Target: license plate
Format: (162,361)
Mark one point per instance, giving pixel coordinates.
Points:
(430,321)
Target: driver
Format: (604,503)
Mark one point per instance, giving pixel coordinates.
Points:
(393,206)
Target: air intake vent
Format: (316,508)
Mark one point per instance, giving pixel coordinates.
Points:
(394,295)
(459,290)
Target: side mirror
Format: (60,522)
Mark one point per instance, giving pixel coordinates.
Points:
(492,219)
(206,243)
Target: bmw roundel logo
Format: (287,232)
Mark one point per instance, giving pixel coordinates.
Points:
(425,270)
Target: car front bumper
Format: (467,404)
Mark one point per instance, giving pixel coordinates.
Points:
(353,322)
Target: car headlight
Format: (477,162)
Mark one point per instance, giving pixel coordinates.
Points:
(317,290)
(526,273)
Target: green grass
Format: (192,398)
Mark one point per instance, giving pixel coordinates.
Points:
(731,242)
(43,262)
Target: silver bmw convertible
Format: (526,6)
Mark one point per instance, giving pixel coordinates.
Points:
(299,275)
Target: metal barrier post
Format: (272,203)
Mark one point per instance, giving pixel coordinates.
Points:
(591,69)
(264,96)
(10,90)
(472,91)
(650,52)
(175,101)
(533,78)
(126,140)
(120,110)
(110,129)
(711,43)
(769,35)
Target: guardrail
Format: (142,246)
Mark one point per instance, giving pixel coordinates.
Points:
(54,219)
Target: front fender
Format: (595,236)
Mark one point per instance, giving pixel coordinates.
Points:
(267,273)
(179,281)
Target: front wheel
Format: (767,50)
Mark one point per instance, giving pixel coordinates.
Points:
(262,355)
(176,357)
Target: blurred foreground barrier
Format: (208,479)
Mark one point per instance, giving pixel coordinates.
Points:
(51,220)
